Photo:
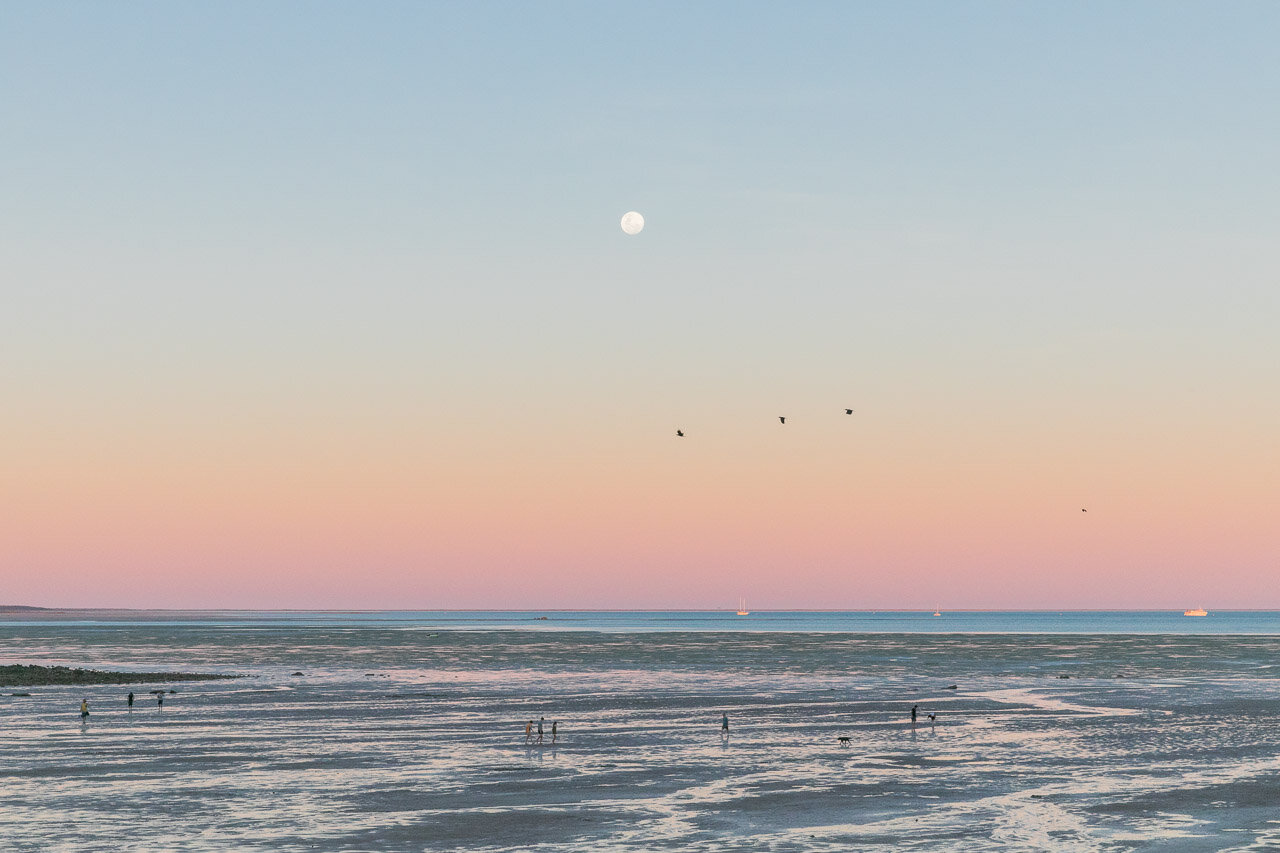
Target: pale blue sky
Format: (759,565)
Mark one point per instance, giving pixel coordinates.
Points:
(869,138)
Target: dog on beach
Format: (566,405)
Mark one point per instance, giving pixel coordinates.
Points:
(844,741)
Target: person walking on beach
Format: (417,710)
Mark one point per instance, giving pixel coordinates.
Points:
(130,699)
(724,723)
(84,708)
(160,699)
(553,732)
(540,719)
(914,708)
(528,731)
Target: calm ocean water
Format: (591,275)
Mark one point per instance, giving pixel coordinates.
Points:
(405,731)
(885,621)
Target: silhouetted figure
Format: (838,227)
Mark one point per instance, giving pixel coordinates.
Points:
(914,708)
(528,731)
(554,726)
(781,419)
(933,718)
(848,411)
(159,700)
(724,723)
(84,708)
(130,699)
(680,433)
(540,719)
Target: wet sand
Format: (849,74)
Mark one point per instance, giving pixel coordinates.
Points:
(401,740)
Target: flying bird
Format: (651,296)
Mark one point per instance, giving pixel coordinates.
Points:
(782,419)
(848,411)
(680,433)
(1083,510)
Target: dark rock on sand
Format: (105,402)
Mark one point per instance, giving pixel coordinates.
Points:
(31,675)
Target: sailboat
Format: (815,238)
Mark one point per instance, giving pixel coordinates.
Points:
(937,611)
(742,607)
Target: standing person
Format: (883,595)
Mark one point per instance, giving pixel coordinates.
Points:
(553,731)
(160,699)
(540,719)
(84,708)
(528,731)
(914,708)
(724,723)
(130,699)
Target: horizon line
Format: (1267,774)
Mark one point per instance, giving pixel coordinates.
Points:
(727,609)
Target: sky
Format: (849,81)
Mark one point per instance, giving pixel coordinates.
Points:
(326,305)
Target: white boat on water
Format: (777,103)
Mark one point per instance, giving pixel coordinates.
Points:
(1199,611)
(742,607)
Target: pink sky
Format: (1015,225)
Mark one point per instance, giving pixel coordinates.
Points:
(829,511)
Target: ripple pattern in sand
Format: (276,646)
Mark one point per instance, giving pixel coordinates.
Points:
(397,740)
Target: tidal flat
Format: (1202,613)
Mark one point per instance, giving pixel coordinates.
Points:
(352,737)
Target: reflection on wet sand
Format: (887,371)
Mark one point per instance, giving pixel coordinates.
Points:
(398,740)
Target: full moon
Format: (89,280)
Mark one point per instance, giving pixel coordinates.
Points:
(632,222)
